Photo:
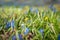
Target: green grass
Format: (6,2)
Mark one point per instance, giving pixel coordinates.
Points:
(46,20)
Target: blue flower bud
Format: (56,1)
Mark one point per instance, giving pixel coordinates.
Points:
(59,37)
(13,37)
(52,8)
(12,23)
(8,25)
(36,10)
(26,31)
(41,31)
(20,37)
(31,9)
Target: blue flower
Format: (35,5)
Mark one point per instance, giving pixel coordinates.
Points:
(36,10)
(20,37)
(41,31)
(12,23)
(26,31)
(8,25)
(59,37)
(31,9)
(13,37)
(52,8)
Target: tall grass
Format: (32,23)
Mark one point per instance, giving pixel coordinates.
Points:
(29,24)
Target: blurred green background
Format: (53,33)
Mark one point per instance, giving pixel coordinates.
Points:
(28,2)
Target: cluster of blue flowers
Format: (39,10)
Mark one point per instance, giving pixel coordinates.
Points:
(34,10)
(19,35)
(52,8)
(42,32)
(26,31)
(10,24)
(13,37)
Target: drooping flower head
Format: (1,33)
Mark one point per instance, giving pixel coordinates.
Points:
(52,8)
(20,37)
(31,9)
(59,37)
(34,10)
(13,37)
(42,32)
(12,23)
(26,31)
(8,25)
